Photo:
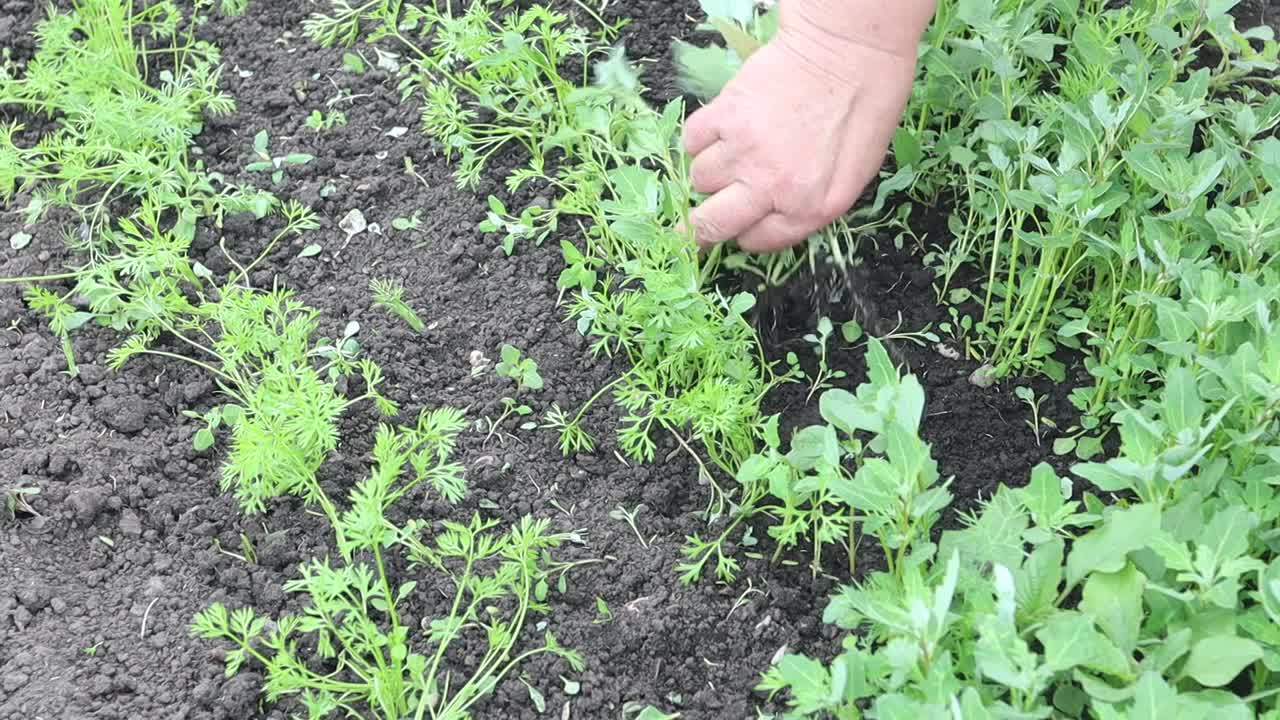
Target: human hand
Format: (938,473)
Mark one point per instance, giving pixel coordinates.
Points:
(793,140)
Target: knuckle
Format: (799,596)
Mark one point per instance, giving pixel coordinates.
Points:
(706,228)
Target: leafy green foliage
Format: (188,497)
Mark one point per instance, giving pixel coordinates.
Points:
(115,132)
(319,121)
(524,370)
(864,468)
(1088,150)
(1091,150)
(378,664)
(274,164)
(637,288)
(115,137)
(1048,606)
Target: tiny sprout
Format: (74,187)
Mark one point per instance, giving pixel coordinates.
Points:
(523,370)
(604,615)
(389,295)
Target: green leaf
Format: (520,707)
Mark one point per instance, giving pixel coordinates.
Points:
(203,440)
(813,446)
(1115,602)
(1183,408)
(1043,494)
(310,251)
(1216,661)
(1269,588)
(907,149)
(539,702)
(353,63)
(807,679)
(1153,699)
(1070,640)
(739,11)
(851,331)
(1106,548)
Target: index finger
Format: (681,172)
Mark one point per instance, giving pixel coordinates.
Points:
(726,214)
(701,130)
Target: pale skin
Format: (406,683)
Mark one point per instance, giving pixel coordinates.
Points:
(793,140)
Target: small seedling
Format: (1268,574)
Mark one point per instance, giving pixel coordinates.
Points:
(604,615)
(413,222)
(389,295)
(524,370)
(509,407)
(276,164)
(825,374)
(18,500)
(353,63)
(535,696)
(320,121)
(629,517)
(1037,422)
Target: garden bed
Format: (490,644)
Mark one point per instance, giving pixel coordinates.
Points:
(131,535)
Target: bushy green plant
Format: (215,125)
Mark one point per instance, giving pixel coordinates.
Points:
(118,142)
(1085,147)
(637,287)
(863,470)
(1164,603)
(372,661)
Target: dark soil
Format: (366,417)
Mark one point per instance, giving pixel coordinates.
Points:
(98,589)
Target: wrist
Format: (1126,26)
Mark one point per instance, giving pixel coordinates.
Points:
(833,26)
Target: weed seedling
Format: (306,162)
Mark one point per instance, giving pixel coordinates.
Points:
(321,121)
(18,501)
(825,374)
(413,222)
(1037,423)
(629,517)
(276,165)
(524,370)
(509,407)
(604,615)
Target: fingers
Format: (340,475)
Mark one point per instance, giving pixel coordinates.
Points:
(726,214)
(701,130)
(712,169)
(774,232)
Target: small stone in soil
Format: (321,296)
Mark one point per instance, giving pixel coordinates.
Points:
(130,524)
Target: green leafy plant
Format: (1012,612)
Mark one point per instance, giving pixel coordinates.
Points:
(864,469)
(321,121)
(524,370)
(17,500)
(1043,605)
(1038,423)
(379,665)
(825,375)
